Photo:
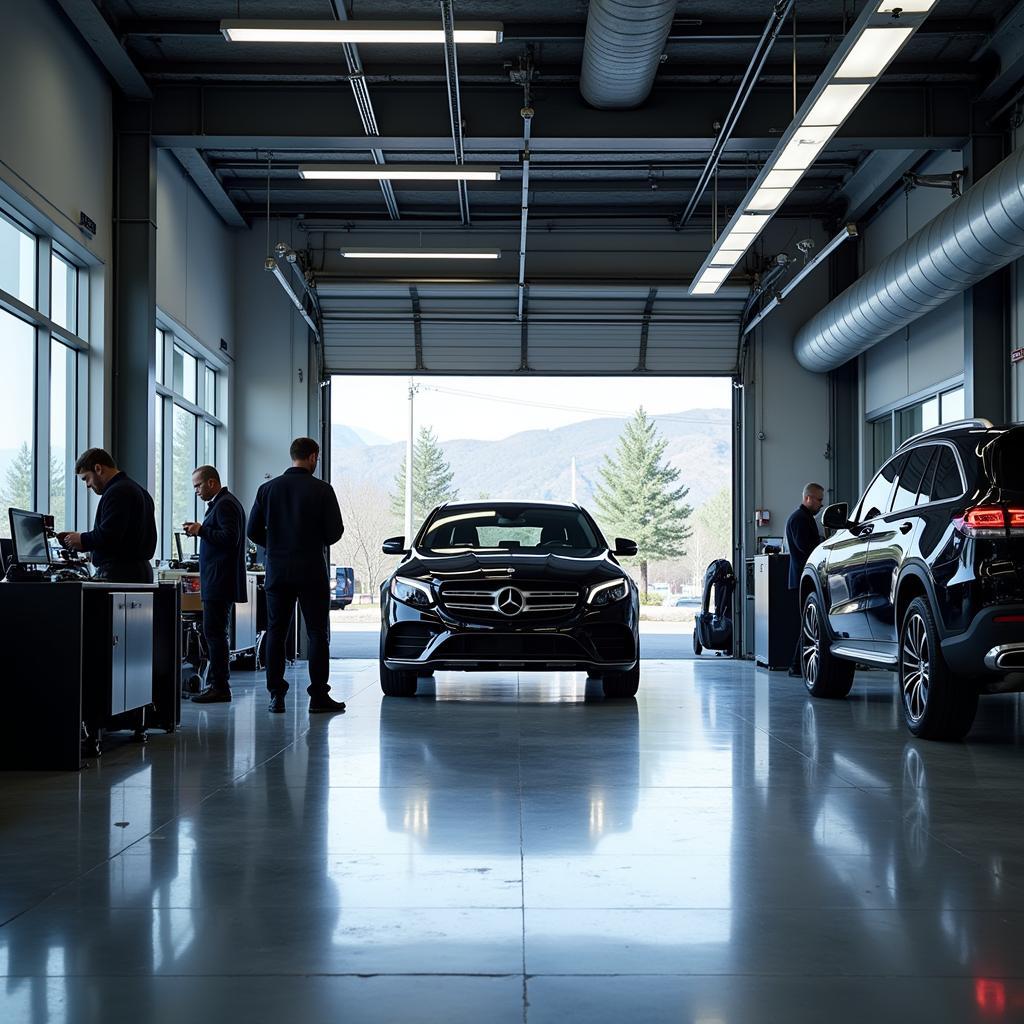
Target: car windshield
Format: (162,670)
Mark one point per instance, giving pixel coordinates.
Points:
(564,531)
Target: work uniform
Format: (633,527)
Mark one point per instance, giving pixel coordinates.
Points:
(123,537)
(296,518)
(802,538)
(222,578)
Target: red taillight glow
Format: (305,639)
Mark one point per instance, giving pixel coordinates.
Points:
(1009,618)
(991,521)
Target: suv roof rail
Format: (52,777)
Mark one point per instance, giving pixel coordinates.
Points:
(978,423)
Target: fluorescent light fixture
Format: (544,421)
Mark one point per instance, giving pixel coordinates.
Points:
(703,289)
(768,199)
(749,223)
(725,258)
(398,172)
(803,148)
(834,105)
(421,254)
(271,264)
(736,242)
(715,275)
(781,179)
(906,6)
(307,31)
(873,51)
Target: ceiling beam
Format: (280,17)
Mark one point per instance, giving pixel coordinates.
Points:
(209,184)
(674,120)
(100,37)
(1005,48)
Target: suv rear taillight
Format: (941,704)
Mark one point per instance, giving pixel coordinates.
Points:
(991,521)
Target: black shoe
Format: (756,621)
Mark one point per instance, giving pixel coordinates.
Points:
(276,705)
(795,673)
(213,695)
(325,705)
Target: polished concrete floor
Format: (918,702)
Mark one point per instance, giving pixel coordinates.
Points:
(501,848)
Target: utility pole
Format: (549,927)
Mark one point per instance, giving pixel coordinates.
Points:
(413,388)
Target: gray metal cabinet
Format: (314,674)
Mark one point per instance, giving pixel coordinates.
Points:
(131,673)
(775,612)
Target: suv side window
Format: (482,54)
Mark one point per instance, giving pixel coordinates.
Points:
(947,483)
(912,475)
(876,498)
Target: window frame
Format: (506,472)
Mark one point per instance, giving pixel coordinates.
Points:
(46,332)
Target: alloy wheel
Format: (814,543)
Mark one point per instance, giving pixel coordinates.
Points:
(810,644)
(915,666)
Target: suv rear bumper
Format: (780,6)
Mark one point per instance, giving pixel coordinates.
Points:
(976,651)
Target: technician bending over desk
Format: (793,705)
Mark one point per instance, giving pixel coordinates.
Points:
(123,537)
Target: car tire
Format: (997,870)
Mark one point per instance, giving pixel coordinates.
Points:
(697,648)
(618,685)
(825,675)
(937,704)
(397,683)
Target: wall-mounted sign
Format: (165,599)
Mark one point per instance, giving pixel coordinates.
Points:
(1017,355)
(86,224)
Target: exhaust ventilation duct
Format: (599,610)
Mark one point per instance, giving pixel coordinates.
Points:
(980,233)
(624,43)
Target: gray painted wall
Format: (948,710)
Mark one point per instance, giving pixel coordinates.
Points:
(194,258)
(931,350)
(272,405)
(56,159)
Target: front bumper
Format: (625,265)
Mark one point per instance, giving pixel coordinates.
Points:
(605,640)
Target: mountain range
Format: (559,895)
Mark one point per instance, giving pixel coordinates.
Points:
(537,464)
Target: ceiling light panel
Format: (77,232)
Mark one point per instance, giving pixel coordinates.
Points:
(767,200)
(906,6)
(421,254)
(835,104)
(702,288)
(397,172)
(803,148)
(412,32)
(873,51)
(781,179)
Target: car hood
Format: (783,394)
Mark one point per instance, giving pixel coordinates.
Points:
(471,567)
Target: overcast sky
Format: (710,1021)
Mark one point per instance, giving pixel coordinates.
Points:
(489,408)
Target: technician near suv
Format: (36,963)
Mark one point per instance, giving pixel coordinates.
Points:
(925,576)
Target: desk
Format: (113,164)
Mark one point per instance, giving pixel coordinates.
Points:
(78,652)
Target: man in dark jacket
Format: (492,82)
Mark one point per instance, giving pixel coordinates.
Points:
(123,537)
(802,538)
(221,574)
(296,518)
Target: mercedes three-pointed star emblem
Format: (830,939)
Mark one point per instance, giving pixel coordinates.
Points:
(510,601)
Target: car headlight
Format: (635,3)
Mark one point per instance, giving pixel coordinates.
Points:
(411,592)
(606,593)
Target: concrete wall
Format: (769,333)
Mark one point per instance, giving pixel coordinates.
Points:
(194,258)
(931,350)
(56,158)
(275,369)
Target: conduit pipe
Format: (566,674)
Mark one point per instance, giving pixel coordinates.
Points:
(982,232)
(624,43)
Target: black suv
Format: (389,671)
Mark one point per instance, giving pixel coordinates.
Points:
(509,585)
(926,577)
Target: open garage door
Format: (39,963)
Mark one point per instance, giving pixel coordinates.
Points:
(471,328)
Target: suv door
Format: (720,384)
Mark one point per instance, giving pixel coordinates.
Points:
(847,559)
(894,537)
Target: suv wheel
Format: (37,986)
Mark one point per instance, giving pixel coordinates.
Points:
(825,675)
(398,683)
(621,684)
(937,705)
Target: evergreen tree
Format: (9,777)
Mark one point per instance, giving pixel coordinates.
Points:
(431,478)
(18,480)
(637,499)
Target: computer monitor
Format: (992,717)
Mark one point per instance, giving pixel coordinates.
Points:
(28,537)
(177,546)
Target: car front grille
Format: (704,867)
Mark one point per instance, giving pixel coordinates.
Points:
(496,647)
(407,641)
(507,602)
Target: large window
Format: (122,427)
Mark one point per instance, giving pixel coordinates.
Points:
(188,433)
(888,432)
(41,346)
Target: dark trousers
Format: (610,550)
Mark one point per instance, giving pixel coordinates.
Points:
(796,665)
(125,572)
(216,624)
(315,605)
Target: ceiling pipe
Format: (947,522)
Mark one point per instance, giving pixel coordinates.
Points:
(624,43)
(982,232)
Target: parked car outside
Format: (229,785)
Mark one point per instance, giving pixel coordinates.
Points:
(498,586)
(926,577)
(342,586)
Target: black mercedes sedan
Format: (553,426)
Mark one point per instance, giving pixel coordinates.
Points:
(509,585)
